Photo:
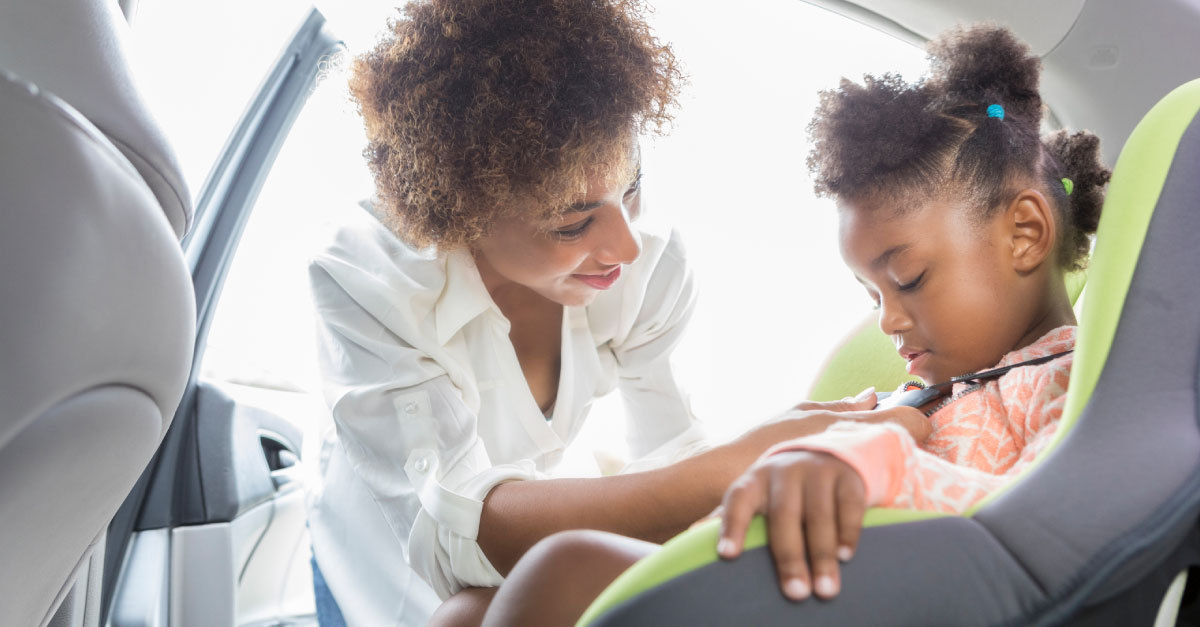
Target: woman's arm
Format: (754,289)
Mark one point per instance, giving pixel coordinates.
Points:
(654,505)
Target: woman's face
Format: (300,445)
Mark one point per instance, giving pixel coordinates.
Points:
(945,285)
(576,257)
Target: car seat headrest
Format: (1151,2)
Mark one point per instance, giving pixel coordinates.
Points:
(76,50)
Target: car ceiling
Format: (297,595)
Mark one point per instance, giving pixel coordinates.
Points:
(1106,62)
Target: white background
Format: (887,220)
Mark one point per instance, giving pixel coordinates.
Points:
(731,177)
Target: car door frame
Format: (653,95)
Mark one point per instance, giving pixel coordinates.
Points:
(170,493)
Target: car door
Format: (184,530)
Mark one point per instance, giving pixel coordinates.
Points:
(214,531)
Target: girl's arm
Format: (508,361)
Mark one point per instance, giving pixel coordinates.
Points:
(814,491)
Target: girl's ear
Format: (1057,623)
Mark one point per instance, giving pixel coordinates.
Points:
(1032,230)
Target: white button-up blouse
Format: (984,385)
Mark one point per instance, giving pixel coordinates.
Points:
(432,410)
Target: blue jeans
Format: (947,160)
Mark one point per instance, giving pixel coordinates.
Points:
(328,612)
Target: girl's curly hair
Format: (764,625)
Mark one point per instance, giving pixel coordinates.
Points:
(900,140)
(480,108)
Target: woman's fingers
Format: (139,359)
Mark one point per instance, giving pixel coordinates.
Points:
(745,497)
(913,420)
(863,402)
(785,533)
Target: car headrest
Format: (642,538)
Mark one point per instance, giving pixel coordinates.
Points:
(76,49)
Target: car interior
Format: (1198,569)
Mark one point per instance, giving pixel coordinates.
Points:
(135,489)
(1037,540)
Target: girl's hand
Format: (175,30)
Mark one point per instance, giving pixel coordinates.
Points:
(814,504)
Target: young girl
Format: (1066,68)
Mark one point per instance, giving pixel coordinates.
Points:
(960,221)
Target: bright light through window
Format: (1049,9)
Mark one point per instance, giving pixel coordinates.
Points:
(201,62)
(775,298)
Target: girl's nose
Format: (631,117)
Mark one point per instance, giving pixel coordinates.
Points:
(893,320)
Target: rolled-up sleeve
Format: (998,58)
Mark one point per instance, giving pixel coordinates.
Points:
(661,426)
(895,472)
(410,436)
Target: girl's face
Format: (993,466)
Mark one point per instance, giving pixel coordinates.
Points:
(947,288)
(578,256)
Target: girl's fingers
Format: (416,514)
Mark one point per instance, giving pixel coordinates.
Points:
(821,533)
(744,498)
(850,495)
(786,537)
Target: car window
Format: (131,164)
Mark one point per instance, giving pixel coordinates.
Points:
(774,297)
(262,333)
(201,62)
(731,177)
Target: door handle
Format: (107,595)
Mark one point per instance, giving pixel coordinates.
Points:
(282,461)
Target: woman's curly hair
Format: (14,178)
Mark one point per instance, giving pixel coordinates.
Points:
(903,140)
(480,108)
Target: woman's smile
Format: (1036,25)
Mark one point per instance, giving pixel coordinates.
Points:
(600,281)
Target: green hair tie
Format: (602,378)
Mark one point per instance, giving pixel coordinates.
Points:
(1068,185)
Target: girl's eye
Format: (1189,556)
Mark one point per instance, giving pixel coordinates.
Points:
(912,285)
(574,231)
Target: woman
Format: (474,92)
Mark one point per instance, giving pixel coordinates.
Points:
(966,267)
(462,346)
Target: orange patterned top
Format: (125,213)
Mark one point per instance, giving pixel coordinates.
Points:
(979,441)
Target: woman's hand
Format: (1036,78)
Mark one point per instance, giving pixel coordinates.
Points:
(913,420)
(814,504)
(864,401)
(813,417)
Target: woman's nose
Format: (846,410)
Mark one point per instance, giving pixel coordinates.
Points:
(621,243)
(893,319)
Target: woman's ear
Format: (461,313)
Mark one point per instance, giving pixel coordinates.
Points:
(1032,230)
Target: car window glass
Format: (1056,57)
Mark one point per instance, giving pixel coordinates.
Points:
(201,62)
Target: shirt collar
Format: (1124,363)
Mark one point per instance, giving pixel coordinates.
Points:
(1055,341)
(463,296)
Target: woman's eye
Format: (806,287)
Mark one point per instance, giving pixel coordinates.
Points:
(635,186)
(912,285)
(574,231)
(633,206)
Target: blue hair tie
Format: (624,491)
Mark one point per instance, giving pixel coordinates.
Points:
(995,111)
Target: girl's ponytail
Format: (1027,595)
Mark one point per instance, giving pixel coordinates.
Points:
(1078,178)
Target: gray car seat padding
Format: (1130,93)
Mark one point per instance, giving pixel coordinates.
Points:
(77,50)
(96,336)
(1115,506)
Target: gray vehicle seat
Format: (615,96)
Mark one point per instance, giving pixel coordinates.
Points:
(97,315)
(1102,527)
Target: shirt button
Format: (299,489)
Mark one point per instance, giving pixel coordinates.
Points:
(422,465)
(411,408)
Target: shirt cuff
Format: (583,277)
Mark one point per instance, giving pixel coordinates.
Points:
(443,543)
(875,451)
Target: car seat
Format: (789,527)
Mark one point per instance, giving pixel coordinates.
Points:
(97,315)
(1099,531)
